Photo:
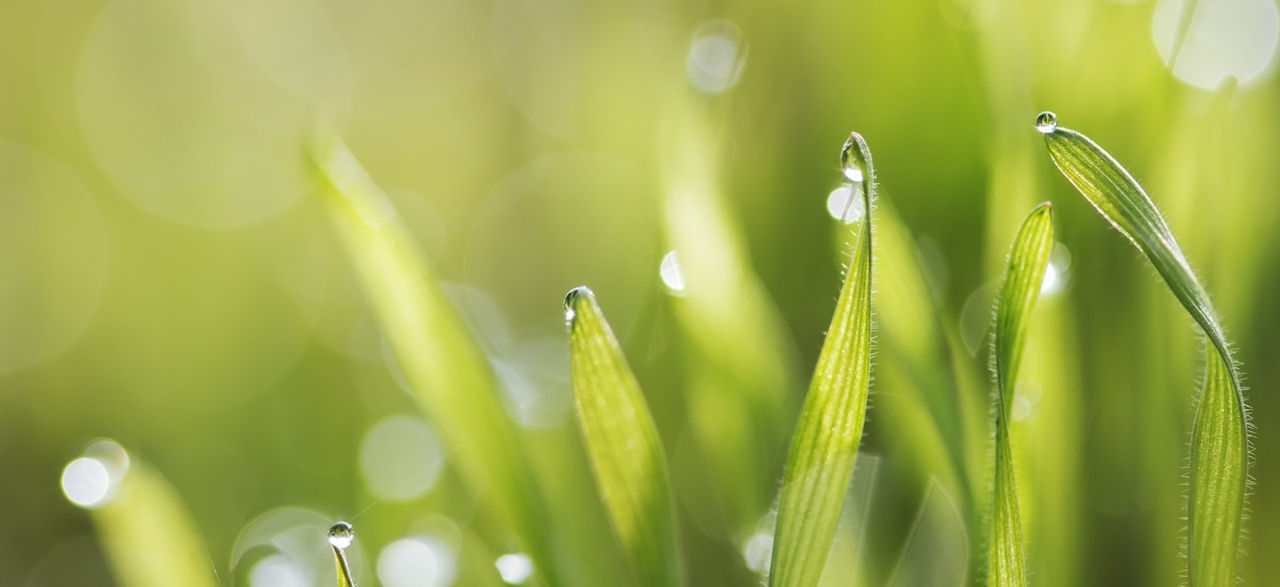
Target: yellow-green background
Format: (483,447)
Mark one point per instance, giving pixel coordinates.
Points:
(168,278)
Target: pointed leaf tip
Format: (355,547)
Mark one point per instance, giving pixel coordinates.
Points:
(622,443)
(825,443)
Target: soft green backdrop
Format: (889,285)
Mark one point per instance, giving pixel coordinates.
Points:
(169,280)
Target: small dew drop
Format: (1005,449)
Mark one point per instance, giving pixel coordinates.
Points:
(851,162)
(515,568)
(716,57)
(91,481)
(757,552)
(341,535)
(671,274)
(845,203)
(1057,272)
(1046,122)
(86,482)
(570,299)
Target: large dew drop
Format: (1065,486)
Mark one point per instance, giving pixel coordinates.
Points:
(1046,122)
(341,535)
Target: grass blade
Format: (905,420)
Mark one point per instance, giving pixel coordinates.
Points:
(622,443)
(341,535)
(447,370)
(344,569)
(1028,257)
(825,444)
(1219,437)
(145,529)
(739,398)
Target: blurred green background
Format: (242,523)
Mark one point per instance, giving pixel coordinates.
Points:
(169,279)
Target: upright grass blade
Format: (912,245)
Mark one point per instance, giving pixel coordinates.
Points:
(1006,553)
(344,569)
(446,369)
(825,443)
(145,529)
(739,401)
(622,442)
(1219,437)
(925,411)
(341,535)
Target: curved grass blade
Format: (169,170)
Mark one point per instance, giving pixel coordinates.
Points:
(446,369)
(825,444)
(1219,437)
(622,442)
(1028,257)
(145,529)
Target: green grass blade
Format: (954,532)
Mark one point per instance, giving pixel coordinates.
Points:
(344,570)
(739,398)
(341,535)
(825,443)
(1006,553)
(444,366)
(1219,438)
(622,443)
(147,533)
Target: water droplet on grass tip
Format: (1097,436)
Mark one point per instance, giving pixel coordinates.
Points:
(572,297)
(91,480)
(1046,122)
(341,535)
(851,160)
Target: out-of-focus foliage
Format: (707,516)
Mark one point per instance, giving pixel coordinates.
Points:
(170,277)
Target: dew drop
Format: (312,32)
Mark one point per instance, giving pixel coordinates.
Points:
(851,159)
(341,535)
(1046,122)
(515,568)
(571,298)
(845,203)
(671,273)
(848,202)
(86,482)
(91,481)
(758,551)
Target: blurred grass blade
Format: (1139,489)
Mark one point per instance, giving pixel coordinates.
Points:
(936,551)
(145,529)
(925,411)
(446,369)
(1006,554)
(739,396)
(622,442)
(1219,441)
(825,443)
